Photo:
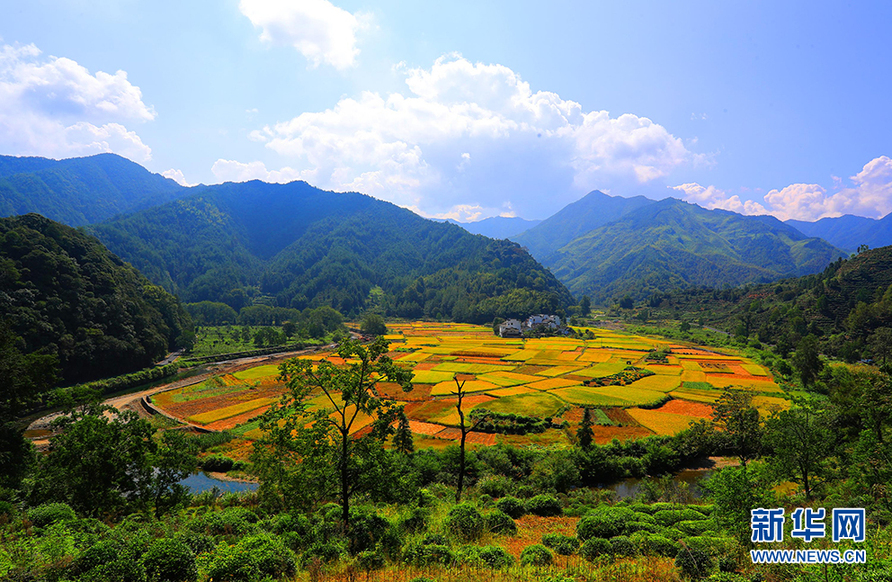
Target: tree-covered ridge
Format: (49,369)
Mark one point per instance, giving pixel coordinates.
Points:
(672,244)
(847,308)
(80,191)
(297,246)
(64,294)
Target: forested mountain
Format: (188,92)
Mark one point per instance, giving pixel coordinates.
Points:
(296,246)
(672,244)
(80,191)
(63,293)
(498,226)
(574,220)
(849,232)
(847,307)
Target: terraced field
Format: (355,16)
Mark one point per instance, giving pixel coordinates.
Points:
(547,378)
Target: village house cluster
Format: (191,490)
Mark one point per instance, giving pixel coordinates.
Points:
(516,328)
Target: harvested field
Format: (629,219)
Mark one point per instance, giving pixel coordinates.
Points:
(661,423)
(229,411)
(425,428)
(480,438)
(695,409)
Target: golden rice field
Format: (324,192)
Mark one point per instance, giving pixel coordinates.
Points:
(542,377)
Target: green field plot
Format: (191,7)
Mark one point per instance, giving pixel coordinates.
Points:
(696,386)
(511,391)
(754,369)
(665,369)
(258,373)
(601,370)
(418,356)
(538,404)
(584,396)
(658,383)
(558,371)
(639,396)
(228,411)
(447,388)
(508,378)
(521,356)
(431,377)
(553,383)
(471,368)
(204,390)
(600,417)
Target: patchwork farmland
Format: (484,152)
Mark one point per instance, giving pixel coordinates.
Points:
(551,379)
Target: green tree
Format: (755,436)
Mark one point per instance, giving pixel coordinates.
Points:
(303,447)
(585,306)
(807,360)
(402,438)
(735,413)
(465,429)
(881,343)
(373,324)
(799,439)
(584,433)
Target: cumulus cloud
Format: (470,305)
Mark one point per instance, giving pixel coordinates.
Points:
(321,31)
(178,177)
(56,107)
(869,193)
(711,197)
(474,133)
(233,171)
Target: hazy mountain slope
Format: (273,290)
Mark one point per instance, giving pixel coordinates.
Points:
(64,293)
(671,244)
(849,232)
(297,246)
(593,210)
(498,226)
(80,191)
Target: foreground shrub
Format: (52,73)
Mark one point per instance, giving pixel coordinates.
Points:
(369,561)
(494,557)
(622,546)
(464,522)
(607,521)
(511,506)
(500,523)
(544,505)
(253,558)
(495,485)
(673,516)
(417,520)
(48,513)
(594,547)
(561,544)
(421,555)
(693,563)
(230,521)
(169,560)
(536,555)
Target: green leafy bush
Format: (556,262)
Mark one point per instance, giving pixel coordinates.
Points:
(48,513)
(464,522)
(495,485)
(693,563)
(594,547)
(561,544)
(695,527)
(607,522)
(421,555)
(672,516)
(511,506)
(500,523)
(622,546)
(216,464)
(252,558)
(416,520)
(536,555)
(544,505)
(169,560)
(370,560)
(230,521)
(325,551)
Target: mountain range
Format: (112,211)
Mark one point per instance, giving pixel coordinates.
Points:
(849,232)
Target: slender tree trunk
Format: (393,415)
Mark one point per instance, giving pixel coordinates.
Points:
(461,453)
(345,485)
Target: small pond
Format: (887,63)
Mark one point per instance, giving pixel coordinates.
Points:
(689,480)
(201,482)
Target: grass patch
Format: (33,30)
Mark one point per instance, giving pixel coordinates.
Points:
(511,391)
(539,404)
(431,377)
(754,369)
(583,396)
(447,388)
(258,373)
(658,383)
(557,371)
(228,411)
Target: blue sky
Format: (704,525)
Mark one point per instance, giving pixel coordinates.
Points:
(467,110)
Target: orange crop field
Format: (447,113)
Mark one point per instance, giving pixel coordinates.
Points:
(531,377)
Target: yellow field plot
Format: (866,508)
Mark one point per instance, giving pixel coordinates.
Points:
(498,380)
(601,370)
(693,376)
(431,377)
(640,396)
(521,356)
(582,395)
(594,355)
(512,391)
(558,371)
(660,383)
(664,369)
(709,396)
(553,383)
(234,410)
(539,404)
(766,404)
(414,357)
(730,380)
(754,369)
(453,367)
(258,373)
(661,423)
(447,388)
(361,421)
(513,376)
(673,360)
(467,368)
(569,356)
(485,352)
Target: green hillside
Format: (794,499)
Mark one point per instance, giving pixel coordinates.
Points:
(574,220)
(63,293)
(672,244)
(80,191)
(297,246)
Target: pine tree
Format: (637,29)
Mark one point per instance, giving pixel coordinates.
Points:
(584,433)
(402,439)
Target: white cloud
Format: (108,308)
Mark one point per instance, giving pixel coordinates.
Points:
(56,107)
(711,197)
(233,171)
(321,31)
(869,194)
(416,149)
(178,177)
